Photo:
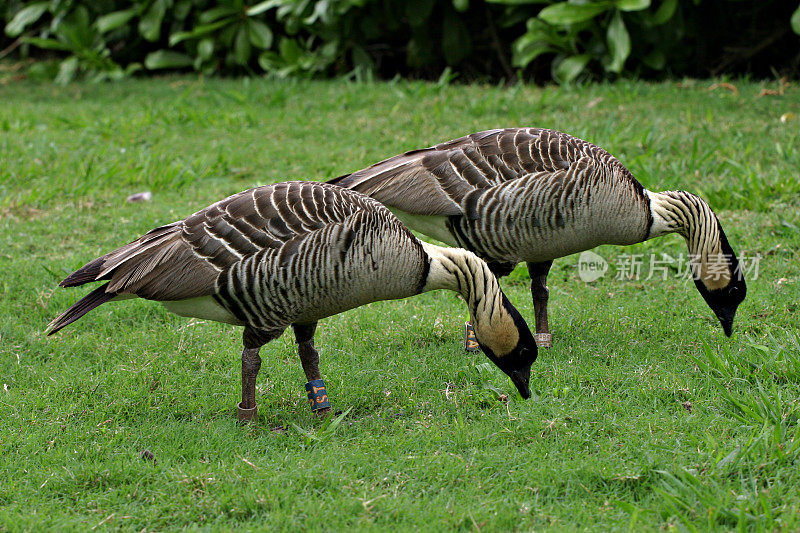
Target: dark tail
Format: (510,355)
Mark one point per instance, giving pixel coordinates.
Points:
(87,273)
(81,307)
(337,181)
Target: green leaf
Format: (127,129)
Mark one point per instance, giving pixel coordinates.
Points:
(227,34)
(418,11)
(78,21)
(25,17)
(632,5)
(199,31)
(565,13)
(260,34)
(182,9)
(205,48)
(656,60)
(540,30)
(362,60)
(150,23)
(665,11)
(796,21)
(456,41)
(67,70)
(461,5)
(76,31)
(241,46)
(571,67)
(290,51)
(619,43)
(114,20)
(132,67)
(269,61)
(539,39)
(517,2)
(263,6)
(217,13)
(47,44)
(523,55)
(166,59)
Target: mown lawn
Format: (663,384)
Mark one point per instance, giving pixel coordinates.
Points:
(644,415)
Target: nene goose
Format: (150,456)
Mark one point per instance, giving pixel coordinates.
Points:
(291,254)
(535,195)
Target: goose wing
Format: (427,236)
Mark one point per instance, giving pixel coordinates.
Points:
(436,180)
(183,260)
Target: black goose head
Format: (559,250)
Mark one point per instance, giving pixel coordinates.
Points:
(725,300)
(516,363)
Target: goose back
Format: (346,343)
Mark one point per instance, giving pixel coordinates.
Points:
(271,256)
(513,194)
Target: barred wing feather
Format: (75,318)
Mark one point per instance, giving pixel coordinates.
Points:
(436,180)
(183,260)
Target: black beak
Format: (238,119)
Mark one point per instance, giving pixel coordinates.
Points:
(725,317)
(521,379)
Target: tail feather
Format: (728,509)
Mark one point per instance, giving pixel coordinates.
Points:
(81,307)
(86,274)
(338,181)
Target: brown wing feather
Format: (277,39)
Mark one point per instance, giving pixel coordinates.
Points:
(437,180)
(81,307)
(183,259)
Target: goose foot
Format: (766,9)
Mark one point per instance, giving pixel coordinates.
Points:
(470,340)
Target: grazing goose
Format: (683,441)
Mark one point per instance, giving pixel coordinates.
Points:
(291,254)
(535,195)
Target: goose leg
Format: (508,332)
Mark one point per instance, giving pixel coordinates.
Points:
(540,294)
(253,340)
(251,364)
(309,358)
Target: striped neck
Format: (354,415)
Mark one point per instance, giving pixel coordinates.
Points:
(465,273)
(691,217)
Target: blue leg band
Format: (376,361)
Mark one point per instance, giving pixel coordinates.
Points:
(317,395)
(470,340)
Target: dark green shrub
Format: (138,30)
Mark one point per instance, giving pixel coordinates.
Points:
(477,39)
(613,36)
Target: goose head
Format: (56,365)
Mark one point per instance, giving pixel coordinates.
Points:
(507,341)
(721,283)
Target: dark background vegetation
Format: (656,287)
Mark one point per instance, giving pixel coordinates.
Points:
(537,40)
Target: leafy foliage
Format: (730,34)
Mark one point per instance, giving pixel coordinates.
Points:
(110,39)
(620,35)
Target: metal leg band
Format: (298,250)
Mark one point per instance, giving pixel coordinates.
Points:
(543,340)
(247,415)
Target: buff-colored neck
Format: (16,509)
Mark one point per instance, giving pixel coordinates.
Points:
(690,216)
(465,273)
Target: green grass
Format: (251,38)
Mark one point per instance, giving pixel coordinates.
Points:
(644,415)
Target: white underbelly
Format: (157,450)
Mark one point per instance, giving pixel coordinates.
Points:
(432,226)
(204,307)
